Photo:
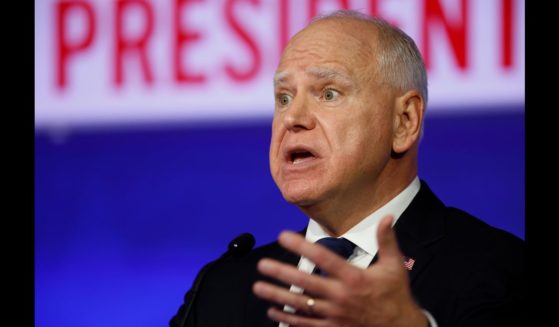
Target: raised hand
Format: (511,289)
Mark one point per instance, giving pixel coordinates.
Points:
(349,296)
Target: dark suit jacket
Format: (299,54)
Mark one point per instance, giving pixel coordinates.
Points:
(466,273)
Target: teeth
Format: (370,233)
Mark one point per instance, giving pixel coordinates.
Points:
(297,157)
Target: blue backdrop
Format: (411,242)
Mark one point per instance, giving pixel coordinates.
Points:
(125,217)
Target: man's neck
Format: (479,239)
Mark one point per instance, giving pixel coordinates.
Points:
(353,209)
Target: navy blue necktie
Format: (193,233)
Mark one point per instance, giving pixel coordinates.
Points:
(341,246)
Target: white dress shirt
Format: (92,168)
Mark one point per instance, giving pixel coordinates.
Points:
(363,235)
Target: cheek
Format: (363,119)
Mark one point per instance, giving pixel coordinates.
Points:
(353,134)
(360,140)
(275,134)
(275,143)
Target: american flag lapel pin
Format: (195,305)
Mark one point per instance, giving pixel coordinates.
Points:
(408,263)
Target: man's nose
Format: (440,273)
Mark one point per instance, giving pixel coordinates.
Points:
(299,116)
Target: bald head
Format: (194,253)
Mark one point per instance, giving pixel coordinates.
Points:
(391,56)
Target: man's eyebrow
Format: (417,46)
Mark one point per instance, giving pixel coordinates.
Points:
(280,77)
(328,73)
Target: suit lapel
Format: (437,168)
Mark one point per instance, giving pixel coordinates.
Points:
(280,254)
(419,227)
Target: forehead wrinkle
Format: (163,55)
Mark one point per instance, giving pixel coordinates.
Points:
(339,66)
(353,59)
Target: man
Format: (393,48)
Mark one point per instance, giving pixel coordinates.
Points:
(351,93)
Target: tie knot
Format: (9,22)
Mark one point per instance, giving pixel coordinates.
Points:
(341,246)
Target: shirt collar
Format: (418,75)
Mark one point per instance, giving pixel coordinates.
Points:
(364,234)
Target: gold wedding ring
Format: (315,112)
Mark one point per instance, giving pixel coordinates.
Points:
(310,303)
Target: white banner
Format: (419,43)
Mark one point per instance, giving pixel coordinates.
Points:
(105,62)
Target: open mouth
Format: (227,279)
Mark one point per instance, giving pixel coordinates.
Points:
(300,156)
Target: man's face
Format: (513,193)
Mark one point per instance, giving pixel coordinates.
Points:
(332,128)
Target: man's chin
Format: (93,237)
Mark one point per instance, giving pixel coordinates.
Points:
(302,191)
(300,201)
(300,197)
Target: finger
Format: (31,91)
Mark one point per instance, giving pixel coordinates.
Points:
(294,319)
(326,260)
(290,275)
(388,248)
(297,301)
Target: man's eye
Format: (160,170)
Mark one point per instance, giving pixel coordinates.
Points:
(330,94)
(284,99)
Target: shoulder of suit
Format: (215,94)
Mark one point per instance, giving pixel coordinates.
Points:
(475,233)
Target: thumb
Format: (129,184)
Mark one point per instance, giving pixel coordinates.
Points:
(387,243)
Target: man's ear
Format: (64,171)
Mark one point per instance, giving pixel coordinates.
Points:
(408,118)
